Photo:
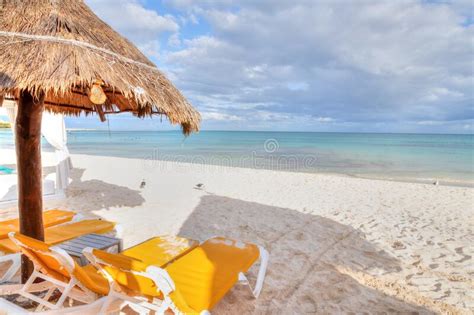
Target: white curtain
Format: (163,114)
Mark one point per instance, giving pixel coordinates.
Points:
(54,131)
(10,108)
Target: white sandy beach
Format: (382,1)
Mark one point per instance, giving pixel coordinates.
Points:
(337,244)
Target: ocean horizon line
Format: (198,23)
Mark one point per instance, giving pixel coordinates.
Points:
(270,131)
(400,155)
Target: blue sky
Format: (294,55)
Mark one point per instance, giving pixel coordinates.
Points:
(305,65)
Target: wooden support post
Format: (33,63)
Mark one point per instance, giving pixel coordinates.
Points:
(100,111)
(30,181)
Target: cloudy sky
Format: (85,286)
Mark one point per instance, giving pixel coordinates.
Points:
(307,65)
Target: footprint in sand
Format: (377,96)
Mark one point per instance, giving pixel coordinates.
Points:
(433,266)
(300,236)
(398,245)
(308,304)
(459,251)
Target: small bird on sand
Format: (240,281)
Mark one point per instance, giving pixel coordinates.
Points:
(143,183)
(436,183)
(199,186)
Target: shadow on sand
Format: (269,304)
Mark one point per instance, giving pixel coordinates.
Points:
(104,195)
(311,260)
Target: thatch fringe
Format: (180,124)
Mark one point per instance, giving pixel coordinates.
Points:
(61,48)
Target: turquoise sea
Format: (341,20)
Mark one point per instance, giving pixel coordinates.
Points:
(411,157)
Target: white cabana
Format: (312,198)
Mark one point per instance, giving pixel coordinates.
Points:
(54,131)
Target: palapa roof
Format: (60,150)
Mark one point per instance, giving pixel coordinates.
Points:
(61,48)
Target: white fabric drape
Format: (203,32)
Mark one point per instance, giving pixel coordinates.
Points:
(10,108)
(54,131)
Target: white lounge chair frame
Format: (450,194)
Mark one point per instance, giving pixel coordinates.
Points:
(164,284)
(9,308)
(114,301)
(72,289)
(15,258)
(159,276)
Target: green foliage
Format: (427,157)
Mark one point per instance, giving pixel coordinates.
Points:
(4,124)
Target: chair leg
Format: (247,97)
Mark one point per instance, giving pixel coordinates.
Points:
(46,298)
(65,293)
(261,274)
(243,278)
(13,269)
(65,288)
(105,306)
(29,282)
(25,291)
(264,257)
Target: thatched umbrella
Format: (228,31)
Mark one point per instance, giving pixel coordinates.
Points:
(59,56)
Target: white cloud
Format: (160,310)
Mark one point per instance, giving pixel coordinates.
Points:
(440,93)
(132,19)
(430,123)
(150,48)
(324,119)
(219,116)
(358,62)
(308,63)
(174,40)
(298,86)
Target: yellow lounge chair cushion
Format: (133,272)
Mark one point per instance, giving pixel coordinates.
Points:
(40,254)
(204,275)
(161,250)
(92,279)
(50,218)
(61,233)
(158,251)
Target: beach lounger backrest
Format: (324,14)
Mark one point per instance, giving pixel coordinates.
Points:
(49,260)
(56,263)
(128,273)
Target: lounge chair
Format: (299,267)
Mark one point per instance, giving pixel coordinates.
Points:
(84,284)
(50,218)
(53,235)
(191,284)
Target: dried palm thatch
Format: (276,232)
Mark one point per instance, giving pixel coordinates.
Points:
(62,49)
